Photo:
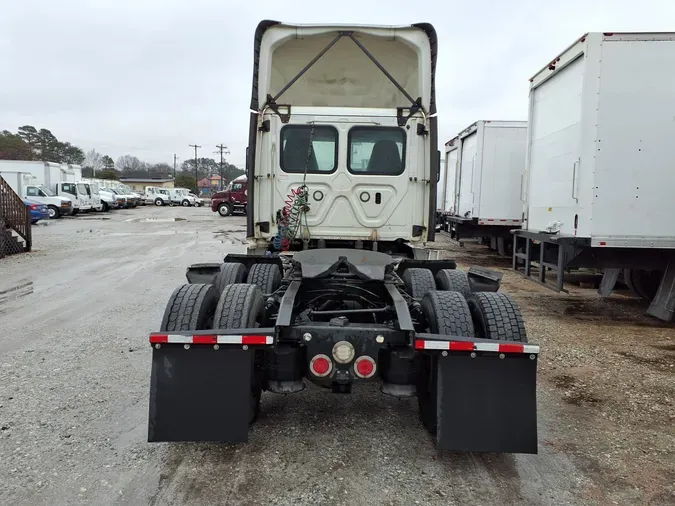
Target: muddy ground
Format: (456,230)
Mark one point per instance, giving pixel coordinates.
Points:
(74,372)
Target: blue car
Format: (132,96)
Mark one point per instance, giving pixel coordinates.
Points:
(37,211)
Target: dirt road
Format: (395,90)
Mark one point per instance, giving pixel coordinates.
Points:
(74,375)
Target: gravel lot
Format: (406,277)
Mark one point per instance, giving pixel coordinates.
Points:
(74,374)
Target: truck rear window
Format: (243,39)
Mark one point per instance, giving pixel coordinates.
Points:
(376,150)
(295,149)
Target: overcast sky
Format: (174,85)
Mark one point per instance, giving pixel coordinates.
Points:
(149,77)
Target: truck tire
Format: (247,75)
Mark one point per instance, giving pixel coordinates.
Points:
(224,209)
(54,212)
(190,307)
(453,280)
(185,203)
(230,273)
(106,207)
(447,313)
(497,316)
(265,276)
(242,306)
(418,282)
(159,202)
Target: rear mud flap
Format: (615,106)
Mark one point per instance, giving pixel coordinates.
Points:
(200,394)
(202,273)
(487,404)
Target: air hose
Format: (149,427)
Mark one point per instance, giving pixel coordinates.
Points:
(291,218)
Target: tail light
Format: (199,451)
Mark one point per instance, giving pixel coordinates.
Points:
(34,207)
(364,367)
(321,366)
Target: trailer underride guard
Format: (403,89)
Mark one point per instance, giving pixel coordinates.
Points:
(344,306)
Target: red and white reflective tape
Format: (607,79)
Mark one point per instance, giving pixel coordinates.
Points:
(210,339)
(422,344)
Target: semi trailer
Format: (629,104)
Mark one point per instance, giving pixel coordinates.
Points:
(336,287)
(600,158)
(489,158)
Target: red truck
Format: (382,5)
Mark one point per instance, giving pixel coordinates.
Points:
(232,199)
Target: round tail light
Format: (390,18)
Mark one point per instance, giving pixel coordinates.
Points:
(364,367)
(321,366)
(343,352)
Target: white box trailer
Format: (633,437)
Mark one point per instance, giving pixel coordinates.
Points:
(489,167)
(446,191)
(600,161)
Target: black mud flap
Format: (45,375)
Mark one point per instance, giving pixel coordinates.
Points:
(202,273)
(200,394)
(487,404)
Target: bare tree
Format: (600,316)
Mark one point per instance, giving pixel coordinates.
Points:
(94,160)
(129,163)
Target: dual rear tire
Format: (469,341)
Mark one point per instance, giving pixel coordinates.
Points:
(235,300)
(458,312)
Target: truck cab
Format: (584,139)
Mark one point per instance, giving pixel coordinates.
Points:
(343,152)
(181,197)
(233,199)
(94,196)
(157,196)
(77,192)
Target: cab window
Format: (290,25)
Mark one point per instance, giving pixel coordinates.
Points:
(297,155)
(376,151)
(237,187)
(31,191)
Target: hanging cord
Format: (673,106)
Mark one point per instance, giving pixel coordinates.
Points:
(293,220)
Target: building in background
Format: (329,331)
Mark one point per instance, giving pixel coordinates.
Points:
(139,183)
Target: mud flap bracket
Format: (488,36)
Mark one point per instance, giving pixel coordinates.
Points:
(200,394)
(487,404)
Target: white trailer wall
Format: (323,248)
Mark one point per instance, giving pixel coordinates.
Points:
(490,171)
(601,143)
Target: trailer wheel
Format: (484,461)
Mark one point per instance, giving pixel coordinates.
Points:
(418,282)
(230,273)
(190,307)
(225,209)
(447,313)
(453,280)
(497,316)
(266,276)
(242,306)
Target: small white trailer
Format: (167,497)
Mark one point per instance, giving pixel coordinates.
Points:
(601,165)
(445,192)
(489,164)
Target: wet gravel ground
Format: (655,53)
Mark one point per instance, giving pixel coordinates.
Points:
(74,374)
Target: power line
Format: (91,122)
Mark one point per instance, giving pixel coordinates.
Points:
(196,177)
(222,148)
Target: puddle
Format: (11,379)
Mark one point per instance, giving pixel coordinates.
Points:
(154,220)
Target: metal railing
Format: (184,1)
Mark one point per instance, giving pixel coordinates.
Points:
(15,216)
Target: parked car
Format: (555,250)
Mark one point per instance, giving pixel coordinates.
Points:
(37,211)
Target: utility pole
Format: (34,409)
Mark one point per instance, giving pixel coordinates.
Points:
(222,149)
(196,177)
(174,166)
